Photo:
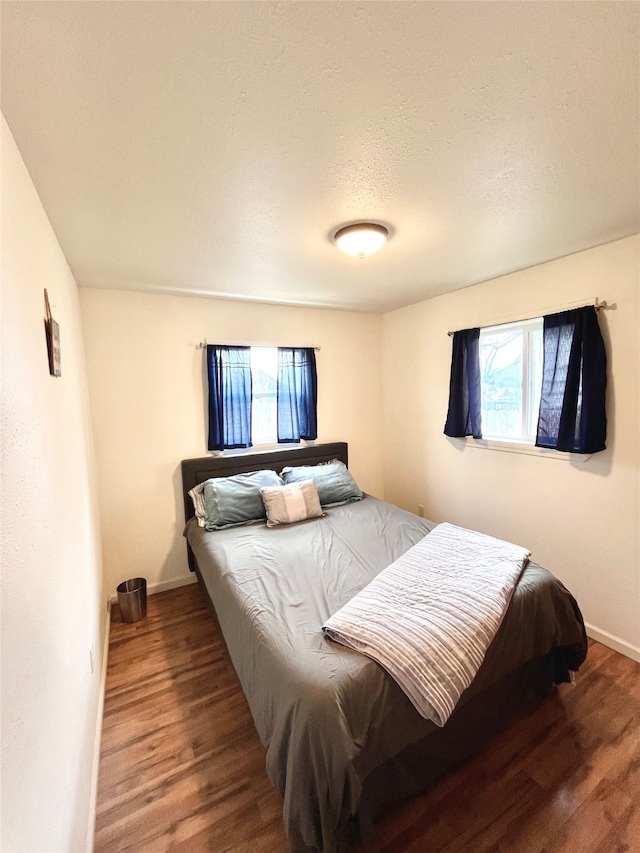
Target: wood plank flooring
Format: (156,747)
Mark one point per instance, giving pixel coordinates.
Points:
(182,768)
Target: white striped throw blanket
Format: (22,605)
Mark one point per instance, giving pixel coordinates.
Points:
(430,617)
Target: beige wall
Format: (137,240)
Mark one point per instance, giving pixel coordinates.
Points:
(53,604)
(148,406)
(580,520)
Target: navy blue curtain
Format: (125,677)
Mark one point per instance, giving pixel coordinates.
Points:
(297,394)
(464,417)
(574,379)
(229,371)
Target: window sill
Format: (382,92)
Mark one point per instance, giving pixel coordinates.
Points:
(522,447)
(262,448)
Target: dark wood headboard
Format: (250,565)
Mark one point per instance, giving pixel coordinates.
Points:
(196,471)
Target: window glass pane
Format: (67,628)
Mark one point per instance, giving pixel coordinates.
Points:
(501,377)
(264,375)
(535,379)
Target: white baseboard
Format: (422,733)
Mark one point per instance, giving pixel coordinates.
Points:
(93,796)
(612,642)
(161,586)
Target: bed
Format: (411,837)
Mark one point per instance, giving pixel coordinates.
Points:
(343,742)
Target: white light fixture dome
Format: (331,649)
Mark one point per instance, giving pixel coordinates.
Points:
(363,238)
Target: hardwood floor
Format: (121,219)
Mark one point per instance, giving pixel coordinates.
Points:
(182,768)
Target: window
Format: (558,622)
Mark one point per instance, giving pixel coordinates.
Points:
(535,383)
(264,395)
(511,380)
(261,395)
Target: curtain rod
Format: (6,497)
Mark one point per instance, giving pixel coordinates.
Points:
(599,306)
(203,345)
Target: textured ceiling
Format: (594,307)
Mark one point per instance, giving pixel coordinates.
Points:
(213,147)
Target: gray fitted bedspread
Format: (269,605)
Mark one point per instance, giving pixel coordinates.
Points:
(326,714)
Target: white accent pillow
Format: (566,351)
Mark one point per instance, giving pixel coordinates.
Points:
(197,496)
(288,504)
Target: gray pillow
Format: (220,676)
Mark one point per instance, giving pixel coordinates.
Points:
(333,481)
(237,500)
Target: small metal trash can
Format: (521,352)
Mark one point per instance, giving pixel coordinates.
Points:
(132,598)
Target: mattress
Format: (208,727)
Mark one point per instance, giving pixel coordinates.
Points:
(327,715)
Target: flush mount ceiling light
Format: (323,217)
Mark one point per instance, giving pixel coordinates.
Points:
(363,238)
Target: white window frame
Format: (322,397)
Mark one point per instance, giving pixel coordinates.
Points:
(260,446)
(527,327)
(513,445)
(272,442)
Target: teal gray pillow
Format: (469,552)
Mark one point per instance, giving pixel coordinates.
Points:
(333,481)
(237,500)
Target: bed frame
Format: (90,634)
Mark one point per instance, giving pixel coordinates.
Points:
(468,731)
